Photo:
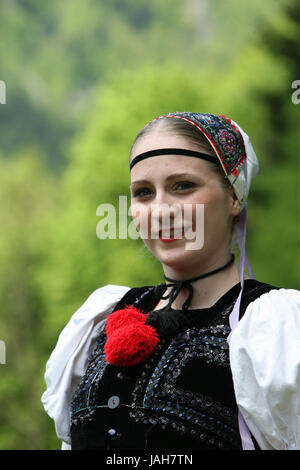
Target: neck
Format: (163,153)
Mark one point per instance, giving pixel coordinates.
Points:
(208,289)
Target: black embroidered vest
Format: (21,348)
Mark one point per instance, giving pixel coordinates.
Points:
(181,397)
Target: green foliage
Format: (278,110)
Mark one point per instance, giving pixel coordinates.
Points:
(87,78)
(53,57)
(27,196)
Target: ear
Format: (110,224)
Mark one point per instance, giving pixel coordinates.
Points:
(235,207)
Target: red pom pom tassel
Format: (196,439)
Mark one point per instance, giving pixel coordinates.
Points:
(123,317)
(129,340)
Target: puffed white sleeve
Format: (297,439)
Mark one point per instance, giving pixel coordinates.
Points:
(265,364)
(68,360)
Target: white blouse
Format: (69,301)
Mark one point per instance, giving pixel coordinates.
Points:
(68,361)
(265,364)
(264,357)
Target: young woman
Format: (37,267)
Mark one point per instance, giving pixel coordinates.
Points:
(207,360)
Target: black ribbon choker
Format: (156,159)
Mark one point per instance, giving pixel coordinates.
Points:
(178,285)
(171,151)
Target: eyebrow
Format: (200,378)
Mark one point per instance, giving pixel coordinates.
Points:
(170,177)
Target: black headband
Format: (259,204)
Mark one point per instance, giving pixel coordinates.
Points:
(189,153)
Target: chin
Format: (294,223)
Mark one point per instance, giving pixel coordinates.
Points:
(176,258)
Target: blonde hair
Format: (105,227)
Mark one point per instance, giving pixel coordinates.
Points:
(190,132)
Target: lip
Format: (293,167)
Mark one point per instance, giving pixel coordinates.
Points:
(164,235)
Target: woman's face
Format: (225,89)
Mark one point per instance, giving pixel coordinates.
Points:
(174,197)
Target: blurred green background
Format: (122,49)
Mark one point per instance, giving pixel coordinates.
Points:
(82,77)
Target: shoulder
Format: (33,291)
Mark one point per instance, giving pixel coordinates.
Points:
(269,303)
(265,362)
(136,296)
(253,290)
(68,360)
(90,315)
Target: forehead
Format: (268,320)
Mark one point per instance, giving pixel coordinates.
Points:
(156,140)
(166,163)
(165,166)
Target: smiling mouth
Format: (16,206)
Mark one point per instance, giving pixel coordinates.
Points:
(171,235)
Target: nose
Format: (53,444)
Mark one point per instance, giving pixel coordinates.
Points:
(164,210)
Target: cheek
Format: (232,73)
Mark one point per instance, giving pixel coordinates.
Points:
(212,204)
(197,209)
(192,215)
(217,213)
(141,217)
